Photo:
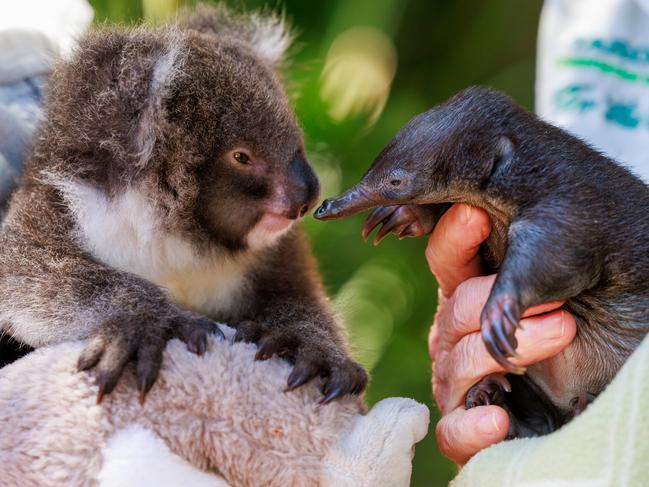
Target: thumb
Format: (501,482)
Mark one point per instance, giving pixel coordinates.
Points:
(452,251)
(464,432)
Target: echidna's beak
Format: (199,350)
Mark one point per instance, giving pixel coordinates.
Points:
(350,203)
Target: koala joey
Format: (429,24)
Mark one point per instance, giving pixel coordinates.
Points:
(161,196)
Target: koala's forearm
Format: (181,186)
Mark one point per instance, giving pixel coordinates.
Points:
(308,317)
(48,297)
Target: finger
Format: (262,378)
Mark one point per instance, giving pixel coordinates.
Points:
(463,433)
(460,315)
(541,338)
(452,251)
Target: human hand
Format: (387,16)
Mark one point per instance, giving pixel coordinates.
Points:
(455,344)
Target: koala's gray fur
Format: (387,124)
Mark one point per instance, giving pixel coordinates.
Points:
(135,222)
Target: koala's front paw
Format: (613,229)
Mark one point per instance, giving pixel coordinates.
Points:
(312,358)
(194,330)
(340,374)
(121,340)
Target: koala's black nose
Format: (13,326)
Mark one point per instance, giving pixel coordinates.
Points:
(305,187)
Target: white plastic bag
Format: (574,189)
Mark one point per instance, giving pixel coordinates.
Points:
(593,75)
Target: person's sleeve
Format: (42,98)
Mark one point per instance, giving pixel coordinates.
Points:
(593,75)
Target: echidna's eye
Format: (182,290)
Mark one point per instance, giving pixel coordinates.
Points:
(241,157)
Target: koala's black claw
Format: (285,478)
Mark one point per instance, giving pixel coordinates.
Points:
(249,331)
(267,348)
(194,331)
(331,393)
(106,382)
(302,373)
(197,343)
(149,360)
(261,356)
(114,358)
(346,377)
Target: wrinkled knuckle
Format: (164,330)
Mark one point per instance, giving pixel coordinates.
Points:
(457,305)
(464,298)
(464,289)
(467,364)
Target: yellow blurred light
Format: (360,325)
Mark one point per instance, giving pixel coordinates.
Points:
(158,10)
(358,73)
(369,304)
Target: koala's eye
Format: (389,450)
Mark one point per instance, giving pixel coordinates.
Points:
(241,157)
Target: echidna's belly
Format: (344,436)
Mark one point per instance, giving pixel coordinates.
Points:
(608,331)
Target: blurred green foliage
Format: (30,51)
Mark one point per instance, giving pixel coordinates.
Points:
(386,293)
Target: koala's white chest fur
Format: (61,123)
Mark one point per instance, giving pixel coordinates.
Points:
(124,233)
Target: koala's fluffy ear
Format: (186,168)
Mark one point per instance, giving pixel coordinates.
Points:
(115,86)
(155,78)
(267,33)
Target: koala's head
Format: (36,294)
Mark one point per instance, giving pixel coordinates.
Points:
(195,116)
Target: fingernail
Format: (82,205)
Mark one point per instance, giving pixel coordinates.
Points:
(488,424)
